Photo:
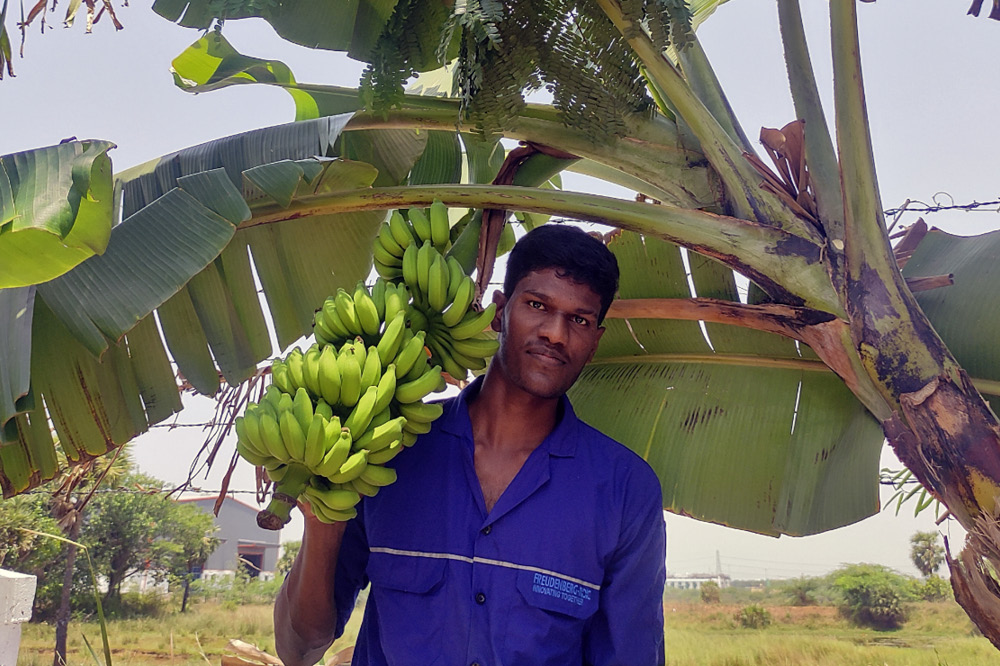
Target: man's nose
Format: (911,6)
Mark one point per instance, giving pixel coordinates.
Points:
(555,329)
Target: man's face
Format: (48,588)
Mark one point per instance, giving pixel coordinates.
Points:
(548,332)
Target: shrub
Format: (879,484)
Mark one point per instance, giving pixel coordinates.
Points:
(753,617)
(935,588)
(872,596)
(801,591)
(710,593)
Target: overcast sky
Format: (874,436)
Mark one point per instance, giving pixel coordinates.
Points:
(932,82)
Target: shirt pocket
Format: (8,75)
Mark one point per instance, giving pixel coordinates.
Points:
(408,606)
(549,610)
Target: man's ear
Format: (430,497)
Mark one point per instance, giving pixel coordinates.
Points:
(597,340)
(501,300)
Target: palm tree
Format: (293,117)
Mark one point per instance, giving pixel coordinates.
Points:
(769,419)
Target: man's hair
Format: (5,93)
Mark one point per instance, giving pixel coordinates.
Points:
(574,254)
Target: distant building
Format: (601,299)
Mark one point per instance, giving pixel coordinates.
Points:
(243,545)
(695,581)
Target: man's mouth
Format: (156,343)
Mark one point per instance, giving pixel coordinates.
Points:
(547,355)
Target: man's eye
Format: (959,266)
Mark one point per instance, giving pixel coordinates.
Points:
(580,321)
(535,304)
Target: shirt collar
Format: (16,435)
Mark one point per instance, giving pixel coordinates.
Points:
(560,442)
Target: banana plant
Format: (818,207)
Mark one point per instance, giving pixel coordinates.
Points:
(764,411)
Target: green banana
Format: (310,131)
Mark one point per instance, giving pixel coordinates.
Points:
(380,437)
(302,408)
(471,362)
(437,283)
(474,323)
(409,354)
(460,302)
(417,428)
(381,417)
(333,321)
(276,472)
(372,369)
(327,515)
(392,337)
(420,224)
(285,404)
(401,230)
(440,225)
(389,241)
(270,434)
(378,298)
(382,255)
(443,356)
(352,467)
(293,436)
(424,256)
(324,336)
(378,476)
(338,499)
(315,442)
(456,276)
(324,409)
(364,488)
(250,455)
(397,299)
(251,430)
(310,370)
(423,412)
(294,364)
(386,388)
(418,388)
(329,376)
(476,347)
(347,313)
(410,278)
(366,311)
(350,377)
(409,438)
(280,378)
(388,453)
(340,448)
(359,418)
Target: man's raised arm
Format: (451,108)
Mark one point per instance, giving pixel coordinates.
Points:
(305,615)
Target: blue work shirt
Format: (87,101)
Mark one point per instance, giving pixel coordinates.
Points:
(567,568)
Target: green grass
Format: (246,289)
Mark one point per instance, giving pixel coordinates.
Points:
(697,634)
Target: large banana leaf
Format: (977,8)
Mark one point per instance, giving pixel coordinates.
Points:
(55,210)
(742,427)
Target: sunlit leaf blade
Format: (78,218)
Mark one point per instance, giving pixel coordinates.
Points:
(350,26)
(153,374)
(188,343)
(55,210)
(393,152)
(739,427)
(235,154)
(720,437)
(16,307)
(151,256)
(84,395)
(212,63)
(965,320)
(441,161)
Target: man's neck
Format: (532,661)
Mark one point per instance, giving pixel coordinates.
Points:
(506,418)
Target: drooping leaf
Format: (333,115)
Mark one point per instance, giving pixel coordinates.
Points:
(55,210)
(964,319)
(16,307)
(741,428)
(152,255)
(212,63)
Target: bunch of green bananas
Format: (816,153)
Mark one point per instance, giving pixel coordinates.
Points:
(412,253)
(332,417)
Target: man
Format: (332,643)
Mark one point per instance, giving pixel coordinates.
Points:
(516,534)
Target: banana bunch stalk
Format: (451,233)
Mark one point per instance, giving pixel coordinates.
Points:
(332,416)
(413,253)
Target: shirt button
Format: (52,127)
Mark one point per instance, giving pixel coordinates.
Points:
(480,598)
(487,529)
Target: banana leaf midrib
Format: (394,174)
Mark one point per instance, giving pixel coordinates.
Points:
(716,359)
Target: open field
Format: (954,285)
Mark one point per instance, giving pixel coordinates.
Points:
(938,634)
